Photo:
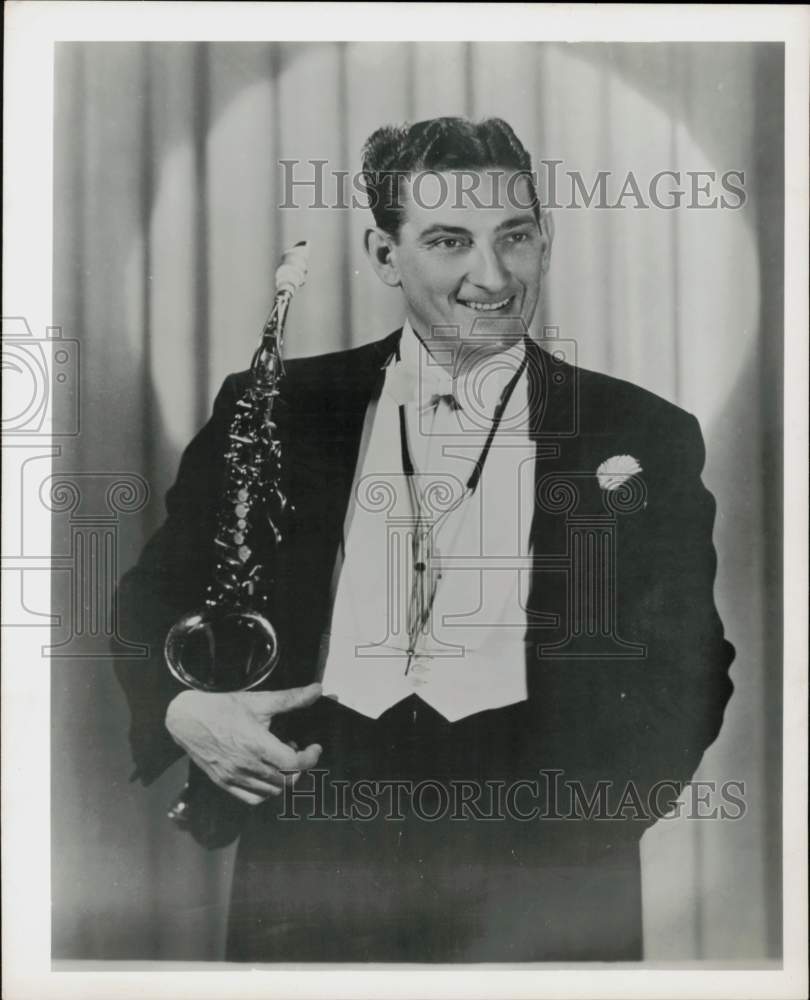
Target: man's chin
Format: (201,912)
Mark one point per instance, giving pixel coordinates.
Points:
(503,330)
(489,336)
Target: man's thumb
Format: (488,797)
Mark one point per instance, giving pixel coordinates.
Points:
(269,703)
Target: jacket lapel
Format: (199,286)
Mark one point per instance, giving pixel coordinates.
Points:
(554,427)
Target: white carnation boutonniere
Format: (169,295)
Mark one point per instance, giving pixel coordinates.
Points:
(617,470)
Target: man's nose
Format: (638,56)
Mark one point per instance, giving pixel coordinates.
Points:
(488,270)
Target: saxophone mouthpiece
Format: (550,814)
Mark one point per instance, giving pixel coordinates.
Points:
(294,267)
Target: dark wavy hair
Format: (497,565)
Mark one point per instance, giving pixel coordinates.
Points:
(394,152)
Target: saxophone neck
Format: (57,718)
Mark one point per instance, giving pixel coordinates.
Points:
(267,362)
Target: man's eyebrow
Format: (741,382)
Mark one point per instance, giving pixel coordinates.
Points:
(439,227)
(513,223)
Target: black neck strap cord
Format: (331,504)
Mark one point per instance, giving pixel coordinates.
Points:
(497,417)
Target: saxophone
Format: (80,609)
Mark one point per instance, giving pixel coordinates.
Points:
(228,644)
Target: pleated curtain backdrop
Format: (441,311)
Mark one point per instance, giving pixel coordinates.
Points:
(167,230)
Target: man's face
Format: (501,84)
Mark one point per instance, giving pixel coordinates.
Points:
(473,261)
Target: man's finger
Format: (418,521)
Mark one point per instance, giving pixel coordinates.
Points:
(266,704)
(257,770)
(309,756)
(251,798)
(259,786)
(282,756)
(304,760)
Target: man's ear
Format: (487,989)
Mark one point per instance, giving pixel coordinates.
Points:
(547,234)
(381,250)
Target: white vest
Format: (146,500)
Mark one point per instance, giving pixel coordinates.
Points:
(470,656)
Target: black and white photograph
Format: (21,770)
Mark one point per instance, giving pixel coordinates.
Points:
(407,421)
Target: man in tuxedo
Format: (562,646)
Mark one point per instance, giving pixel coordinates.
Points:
(501,658)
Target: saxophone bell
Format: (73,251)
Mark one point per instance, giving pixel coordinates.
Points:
(222,649)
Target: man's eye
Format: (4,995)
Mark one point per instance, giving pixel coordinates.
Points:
(518,237)
(449,243)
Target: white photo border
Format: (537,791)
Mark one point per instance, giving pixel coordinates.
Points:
(32,29)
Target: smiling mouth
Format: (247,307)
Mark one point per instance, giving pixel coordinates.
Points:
(487,306)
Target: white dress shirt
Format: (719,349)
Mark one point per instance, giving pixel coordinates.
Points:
(470,654)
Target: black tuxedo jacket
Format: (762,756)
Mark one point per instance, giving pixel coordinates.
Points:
(627,671)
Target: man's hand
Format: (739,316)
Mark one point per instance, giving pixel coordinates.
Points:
(226,735)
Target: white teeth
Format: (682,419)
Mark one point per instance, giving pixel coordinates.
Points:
(486,306)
